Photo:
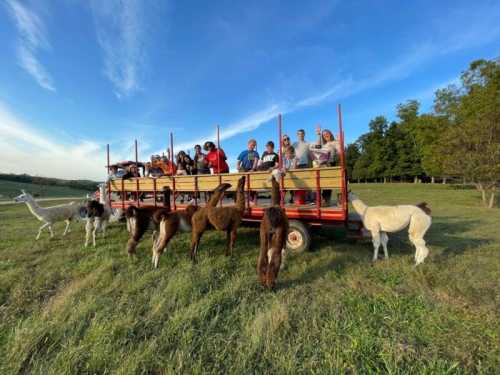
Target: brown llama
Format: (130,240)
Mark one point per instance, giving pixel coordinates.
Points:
(173,222)
(273,233)
(226,219)
(139,219)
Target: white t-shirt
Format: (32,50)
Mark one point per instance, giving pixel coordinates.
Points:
(302,152)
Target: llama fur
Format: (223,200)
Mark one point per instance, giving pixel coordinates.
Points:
(139,219)
(273,232)
(170,224)
(50,215)
(380,220)
(226,219)
(97,218)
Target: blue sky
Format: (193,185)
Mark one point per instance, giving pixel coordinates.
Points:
(75,74)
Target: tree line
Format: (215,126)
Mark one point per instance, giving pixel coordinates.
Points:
(86,185)
(459,137)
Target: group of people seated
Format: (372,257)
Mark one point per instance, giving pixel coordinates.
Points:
(301,154)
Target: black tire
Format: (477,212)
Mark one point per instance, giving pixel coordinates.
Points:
(299,238)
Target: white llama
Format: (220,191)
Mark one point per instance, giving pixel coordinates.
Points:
(380,220)
(50,215)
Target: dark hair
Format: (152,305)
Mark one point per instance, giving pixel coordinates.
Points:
(197,146)
(301,131)
(208,145)
(270,143)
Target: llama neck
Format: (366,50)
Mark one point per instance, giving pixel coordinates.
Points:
(34,208)
(359,206)
(214,199)
(240,199)
(275,193)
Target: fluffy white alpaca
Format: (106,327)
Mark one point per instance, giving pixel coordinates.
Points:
(380,220)
(50,215)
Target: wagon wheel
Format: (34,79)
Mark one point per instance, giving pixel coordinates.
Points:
(298,239)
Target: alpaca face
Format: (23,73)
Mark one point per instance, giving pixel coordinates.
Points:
(24,197)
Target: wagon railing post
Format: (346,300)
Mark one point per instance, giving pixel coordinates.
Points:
(343,181)
(218,159)
(108,184)
(280,160)
(136,179)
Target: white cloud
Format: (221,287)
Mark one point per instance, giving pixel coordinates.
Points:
(32,37)
(26,150)
(120,31)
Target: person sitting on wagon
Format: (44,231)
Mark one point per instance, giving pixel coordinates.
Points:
(200,161)
(290,160)
(215,158)
(133,171)
(249,158)
(185,165)
(326,141)
(153,168)
(285,143)
(328,150)
(302,150)
(114,172)
(269,158)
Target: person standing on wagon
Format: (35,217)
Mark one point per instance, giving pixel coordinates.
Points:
(248,159)
(215,158)
(302,150)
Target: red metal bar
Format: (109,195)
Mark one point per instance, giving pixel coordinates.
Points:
(154,191)
(318,193)
(342,162)
(218,158)
(196,190)
(108,185)
(171,148)
(280,158)
(173,190)
(136,179)
(248,194)
(123,194)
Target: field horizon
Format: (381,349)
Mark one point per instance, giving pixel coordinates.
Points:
(69,309)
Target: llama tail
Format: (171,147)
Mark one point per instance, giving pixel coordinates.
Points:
(130,212)
(423,206)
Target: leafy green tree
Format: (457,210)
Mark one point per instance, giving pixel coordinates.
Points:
(471,146)
(352,154)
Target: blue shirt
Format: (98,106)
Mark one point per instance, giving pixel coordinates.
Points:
(247,159)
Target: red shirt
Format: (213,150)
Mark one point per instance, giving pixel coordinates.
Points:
(212,161)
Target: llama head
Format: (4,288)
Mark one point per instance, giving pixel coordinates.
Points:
(277,173)
(24,197)
(222,187)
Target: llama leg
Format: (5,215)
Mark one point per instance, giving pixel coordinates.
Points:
(419,224)
(88,230)
(231,239)
(40,230)
(66,230)
(384,238)
(104,225)
(195,241)
(51,231)
(376,244)
(263,260)
(167,231)
(274,267)
(97,225)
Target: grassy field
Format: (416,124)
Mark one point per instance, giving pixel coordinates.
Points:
(11,189)
(65,309)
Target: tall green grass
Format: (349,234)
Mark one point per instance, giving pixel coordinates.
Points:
(67,309)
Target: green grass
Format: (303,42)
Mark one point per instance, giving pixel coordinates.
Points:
(65,309)
(11,189)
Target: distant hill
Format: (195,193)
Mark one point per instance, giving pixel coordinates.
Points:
(43,187)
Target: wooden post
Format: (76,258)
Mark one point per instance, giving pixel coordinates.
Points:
(218,159)
(136,179)
(342,162)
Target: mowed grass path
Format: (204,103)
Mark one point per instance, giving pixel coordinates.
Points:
(65,309)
